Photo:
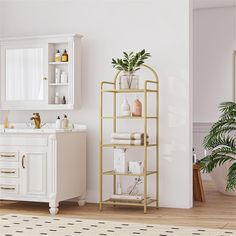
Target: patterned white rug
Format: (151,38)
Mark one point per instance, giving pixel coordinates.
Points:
(25,225)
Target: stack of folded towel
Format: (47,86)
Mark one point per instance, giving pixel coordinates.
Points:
(128,138)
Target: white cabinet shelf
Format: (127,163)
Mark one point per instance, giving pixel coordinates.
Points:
(58,84)
(58,63)
(43,86)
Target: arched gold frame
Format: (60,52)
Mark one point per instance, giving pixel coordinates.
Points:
(145,117)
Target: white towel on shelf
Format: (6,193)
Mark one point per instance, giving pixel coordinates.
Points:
(127,142)
(128,136)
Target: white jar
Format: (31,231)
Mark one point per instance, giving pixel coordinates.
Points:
(64,79)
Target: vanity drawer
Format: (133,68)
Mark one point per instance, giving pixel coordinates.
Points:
(9,172)
(9,156)
(9,188)
(23,140)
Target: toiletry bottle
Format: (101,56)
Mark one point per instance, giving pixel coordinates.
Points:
(57,75)
(63,77)
(194,157)
(57,98)
(58,123)
(57,56)
(125,108)
(63,100)
(6,121)
(65,123)
(119,189)
(64,57)
(137,108)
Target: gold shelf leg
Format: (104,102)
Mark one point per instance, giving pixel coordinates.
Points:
(114,130)
(101,151)
(145,149)
(157,147)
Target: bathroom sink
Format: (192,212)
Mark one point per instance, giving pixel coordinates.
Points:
(46,128)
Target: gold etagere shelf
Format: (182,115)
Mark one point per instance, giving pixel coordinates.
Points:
(154,84)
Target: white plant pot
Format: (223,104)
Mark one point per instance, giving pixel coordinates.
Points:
(219,176)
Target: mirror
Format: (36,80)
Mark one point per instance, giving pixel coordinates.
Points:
(24,74)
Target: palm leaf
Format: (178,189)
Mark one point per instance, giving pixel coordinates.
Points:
(221,141)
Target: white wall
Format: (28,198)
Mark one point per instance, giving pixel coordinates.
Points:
(214,45)
(1,25)
(109,27)
(213,83)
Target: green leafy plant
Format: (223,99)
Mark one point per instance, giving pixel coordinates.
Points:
(221,141)
(131,62)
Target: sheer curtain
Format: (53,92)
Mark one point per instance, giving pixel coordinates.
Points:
(24,74)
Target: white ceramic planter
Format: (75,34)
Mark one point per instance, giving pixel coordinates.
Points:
(219,176)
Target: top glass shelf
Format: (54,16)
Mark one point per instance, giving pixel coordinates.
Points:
(129,90)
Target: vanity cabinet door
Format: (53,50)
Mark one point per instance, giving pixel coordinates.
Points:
(34,173)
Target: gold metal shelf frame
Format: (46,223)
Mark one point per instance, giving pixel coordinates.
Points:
(113,90)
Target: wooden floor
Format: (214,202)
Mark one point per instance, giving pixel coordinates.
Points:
(219,211)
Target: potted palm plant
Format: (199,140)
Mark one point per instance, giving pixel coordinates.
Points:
(130,63)
(221,142)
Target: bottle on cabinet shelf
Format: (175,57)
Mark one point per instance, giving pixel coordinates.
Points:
(57,98)
(57,75)
(63,77)
(137,108)
(64,57)
(57,56)
(63,100)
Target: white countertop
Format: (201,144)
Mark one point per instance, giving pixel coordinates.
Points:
(45,129)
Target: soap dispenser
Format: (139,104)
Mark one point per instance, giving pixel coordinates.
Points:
(64,57)
(6,121)
(65,123)
(58,123)
(57,56)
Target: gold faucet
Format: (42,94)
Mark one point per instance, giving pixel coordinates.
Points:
(37,120)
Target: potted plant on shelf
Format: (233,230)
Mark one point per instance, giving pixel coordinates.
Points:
(221,142)
(129,65)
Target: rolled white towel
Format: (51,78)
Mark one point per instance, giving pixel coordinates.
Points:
(128,136)
(127,142)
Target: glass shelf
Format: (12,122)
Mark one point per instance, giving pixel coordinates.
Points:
(127,145)
(129,90)
(127,174)
(129,117)
(126,203)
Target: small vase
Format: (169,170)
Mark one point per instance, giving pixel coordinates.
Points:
(125,108)
(137,108)
(128,81)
